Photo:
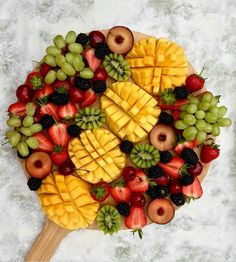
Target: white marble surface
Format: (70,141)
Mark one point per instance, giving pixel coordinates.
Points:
(201,231)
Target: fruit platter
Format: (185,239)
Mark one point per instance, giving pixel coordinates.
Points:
(115,130)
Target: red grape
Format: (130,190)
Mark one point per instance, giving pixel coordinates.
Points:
(128,173)
(24,93)
(196,170)
(137,199)
(96,37)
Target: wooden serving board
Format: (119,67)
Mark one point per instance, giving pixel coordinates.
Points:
(49,239)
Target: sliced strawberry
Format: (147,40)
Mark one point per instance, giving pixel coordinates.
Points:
(67,111)
(120,192)
(43,93)
(62,86)
(59,155)
(100,191)
(76,95)
(89,98)
(176,115)
(185,144)
(193,191)
(45,144)
(175,106)
(34,80)
(139,183)
(44,69)
(49,109)
(17,108)
(58,134)
(92,60)
(173,168)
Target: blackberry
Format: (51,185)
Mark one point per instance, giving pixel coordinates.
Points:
(82,84)
(178,199)
(101,50)
(189,156)
(34,183)
(181,92)
(73,130)
(82,39)
(155,172)
(59,99)
(126,146)
(165,156)
(158,191)
(187,180)
(46,121)
(99,86)
(166,118)
(123,208)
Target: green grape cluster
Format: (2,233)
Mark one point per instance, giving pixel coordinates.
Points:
(68,64)
(21,133)
(202,116)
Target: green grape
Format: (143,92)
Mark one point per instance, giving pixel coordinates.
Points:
(200,124)
(23,149)
(224,122)
(179,124)
(53,50)
(60,59)
(50,77)
(32,142)
(194,100)
(75,48)
(30,109)
(190,133)
(207,97)
(189,119)
(10,133)
(14,121)
(200,114)
(59,41)
(215,130)
(210,117)
(70,37)
(191,108)
(182,114)
(28,121)
(222,111)
(26,131)
(78,63)
(69,58)
(68,69)
(214,101)
(15,139)
(35,128)
(183,107)
(214,110)
(204,106)
(86,73)
(61,75)
(201,136)
(208,128)
(50,60)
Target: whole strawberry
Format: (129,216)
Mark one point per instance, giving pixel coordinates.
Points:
(209,152)
(195,82)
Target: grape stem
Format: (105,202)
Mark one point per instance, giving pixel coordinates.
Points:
(5,143)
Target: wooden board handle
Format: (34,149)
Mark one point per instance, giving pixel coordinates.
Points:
(47,242)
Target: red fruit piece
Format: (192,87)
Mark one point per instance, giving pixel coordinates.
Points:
(173,168)
(92,60)
(34,80)
(45,144)
(59,155)
(76,95)
(176,105)
(58,134)
(96,37)
(89,98)
(195,82)
(24,93)
(62,86)
(193,191)
(43,93)
(209,153)
(138,199)
(66,168)
(185,144)
(120,192)
(100,74)
(136,220)
(128,173)
(17,108)
(175,187)
(67,111)
(100,191)
(140,182)
(195,170)
(49,109)
(176,115)
(44,69)
(162,180)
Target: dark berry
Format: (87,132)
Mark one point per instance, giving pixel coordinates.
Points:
(181,92)
(46,121)
(155,172)
(73,130)
(82,84)
(34,183)
(123,208)
(158,191)
(165,156)
(101,50)
(177,199)
(99,86)
(58,98)
(189,156)
(166,118)
(187,180)
(126,146)
(82,39)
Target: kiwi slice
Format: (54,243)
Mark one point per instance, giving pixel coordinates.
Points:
(144,155)
(116,67)
(108,219)
(90,118)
